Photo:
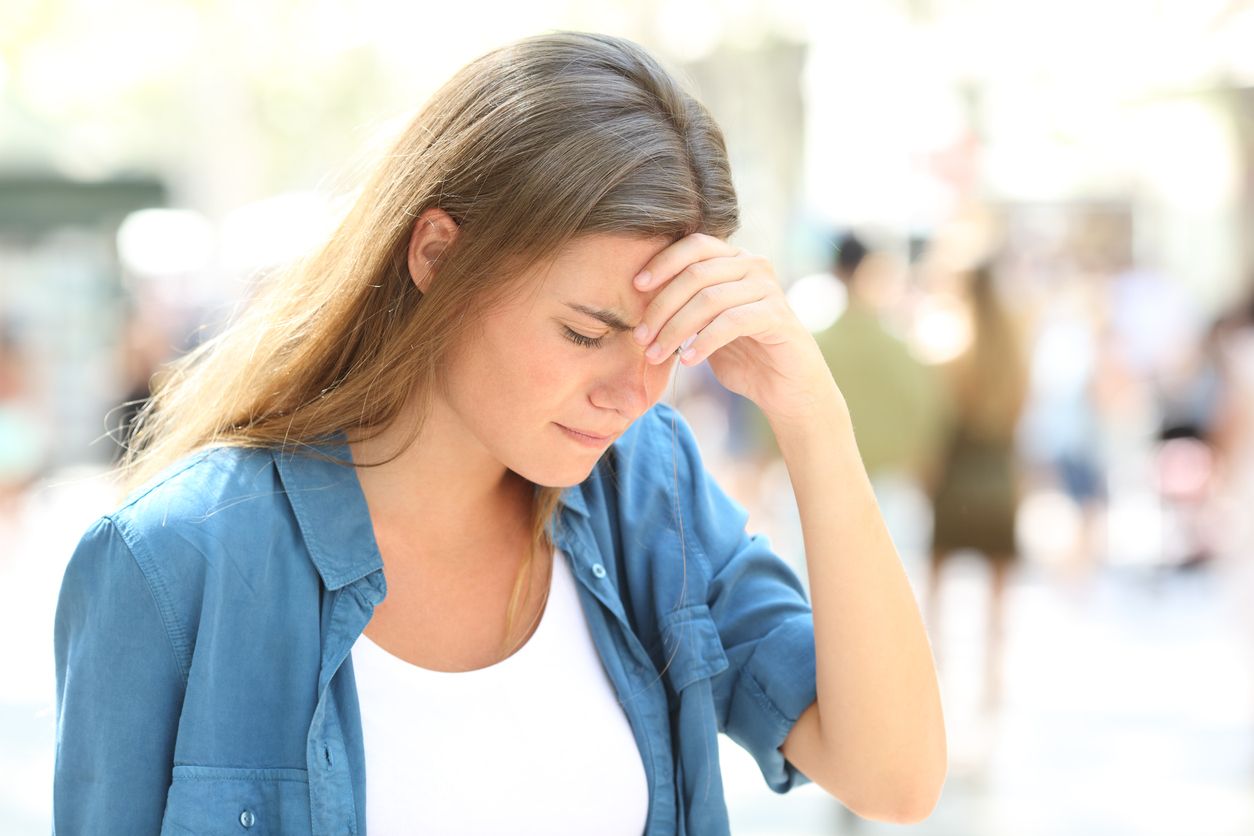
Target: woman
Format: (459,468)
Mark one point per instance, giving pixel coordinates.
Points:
(443,430)
(975,489)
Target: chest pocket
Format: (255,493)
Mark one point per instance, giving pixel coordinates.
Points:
(211,800)
(691,648)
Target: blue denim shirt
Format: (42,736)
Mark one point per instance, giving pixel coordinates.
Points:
(203,629)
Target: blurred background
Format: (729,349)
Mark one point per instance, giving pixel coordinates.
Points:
(1020,230)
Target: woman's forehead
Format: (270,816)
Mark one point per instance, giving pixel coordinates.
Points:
(594,271)
(610,258)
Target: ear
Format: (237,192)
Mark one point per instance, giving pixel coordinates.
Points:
(434,230)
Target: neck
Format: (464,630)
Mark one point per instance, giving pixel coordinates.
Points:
(445,484)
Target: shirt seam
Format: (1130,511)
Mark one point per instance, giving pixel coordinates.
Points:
(760,696)
(157,590)
(703,559)
(289,774)
(195,459)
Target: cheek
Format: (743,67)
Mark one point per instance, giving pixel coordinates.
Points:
(537,371)
(507,348)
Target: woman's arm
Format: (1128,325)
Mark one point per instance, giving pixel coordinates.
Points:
(876,736)
(119,694)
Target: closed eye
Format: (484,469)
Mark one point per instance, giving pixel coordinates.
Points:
(581,339)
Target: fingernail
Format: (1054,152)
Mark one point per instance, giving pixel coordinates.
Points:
(684,345)
(641,333)
(654,352)
(642,280)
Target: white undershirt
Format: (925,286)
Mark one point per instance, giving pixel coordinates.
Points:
(535,744)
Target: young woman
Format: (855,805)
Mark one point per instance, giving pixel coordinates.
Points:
(975,487)
(413,546)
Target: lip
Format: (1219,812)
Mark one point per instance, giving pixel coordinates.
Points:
(585,437)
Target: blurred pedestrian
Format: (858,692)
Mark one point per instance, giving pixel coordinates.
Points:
(1074,377)
(894,399)
(975,490)
(1189,391)
(141,351)
(1232,430)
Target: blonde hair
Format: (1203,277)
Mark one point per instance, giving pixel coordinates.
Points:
(528,146)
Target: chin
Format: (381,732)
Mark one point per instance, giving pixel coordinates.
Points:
(563,482)
(559,477)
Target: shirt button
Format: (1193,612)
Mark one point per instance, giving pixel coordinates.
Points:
(247,818)
(598,570)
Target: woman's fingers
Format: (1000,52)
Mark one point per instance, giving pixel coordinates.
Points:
(670,261)
(688,305)
(680,288)
(729,325)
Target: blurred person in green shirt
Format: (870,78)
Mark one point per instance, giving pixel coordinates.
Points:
(893,397)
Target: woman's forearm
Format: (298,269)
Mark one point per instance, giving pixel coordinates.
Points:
(879,703)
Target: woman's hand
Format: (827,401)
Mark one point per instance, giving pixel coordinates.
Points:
(725,304)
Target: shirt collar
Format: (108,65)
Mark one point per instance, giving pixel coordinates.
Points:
(332,514)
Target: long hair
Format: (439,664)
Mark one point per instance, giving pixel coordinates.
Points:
(992,375)
(530,145)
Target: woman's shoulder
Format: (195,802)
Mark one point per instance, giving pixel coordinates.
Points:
(216,508)
(202,495)
(208,532)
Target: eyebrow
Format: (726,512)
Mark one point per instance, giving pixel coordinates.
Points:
(610,318)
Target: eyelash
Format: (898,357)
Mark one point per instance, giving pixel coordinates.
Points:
(580,339)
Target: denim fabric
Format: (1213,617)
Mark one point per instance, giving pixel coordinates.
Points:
(203,629)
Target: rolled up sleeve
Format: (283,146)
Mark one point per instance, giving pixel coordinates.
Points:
(763,616)
(119,693)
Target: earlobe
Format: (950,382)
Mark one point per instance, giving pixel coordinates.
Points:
(433,232)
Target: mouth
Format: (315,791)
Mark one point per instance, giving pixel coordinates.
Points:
(592,437)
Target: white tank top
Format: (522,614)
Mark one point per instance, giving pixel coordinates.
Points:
(534,744)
